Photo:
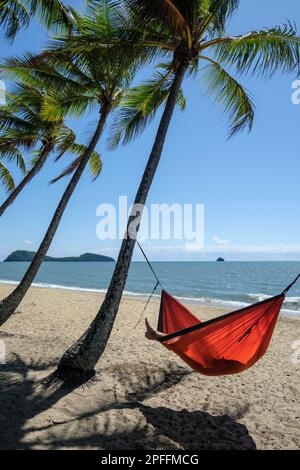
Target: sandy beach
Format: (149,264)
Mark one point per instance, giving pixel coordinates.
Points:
(144,397)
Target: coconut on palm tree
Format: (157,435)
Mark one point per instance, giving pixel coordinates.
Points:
(190,33)
(79,80)
(16,14)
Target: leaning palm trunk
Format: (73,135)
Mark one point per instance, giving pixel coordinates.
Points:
(79,361)
(9,305)
(31,174)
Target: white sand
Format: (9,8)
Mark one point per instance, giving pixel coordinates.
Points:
(144,396)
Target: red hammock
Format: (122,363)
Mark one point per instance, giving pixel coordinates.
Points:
(226,345)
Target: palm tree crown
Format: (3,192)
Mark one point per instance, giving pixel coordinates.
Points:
(23,130)
(193,31)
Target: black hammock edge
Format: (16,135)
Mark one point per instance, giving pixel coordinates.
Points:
(215,320)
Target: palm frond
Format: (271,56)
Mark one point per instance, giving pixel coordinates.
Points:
(6,178)
(54,14)
(39,156)
(181,100)
(13,17)
(103,17)
(9,120)
(139,106)
(55,108)
(34,159)
(68,170)
(260,52)
(221,11)
(15,14)
(12,154)
(95,165)
(64,142)
(46,72)
(230,94)
(162,10)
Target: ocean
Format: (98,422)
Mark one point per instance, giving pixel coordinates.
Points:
(229,284)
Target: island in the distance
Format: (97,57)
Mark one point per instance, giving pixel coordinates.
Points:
(221,259)
(27,256)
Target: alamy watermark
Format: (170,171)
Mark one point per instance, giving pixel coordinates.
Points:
(176,221)
(296,93)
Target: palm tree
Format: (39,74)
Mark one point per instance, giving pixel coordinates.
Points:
(16,14)
(88,79)
(23,129)
(191,34)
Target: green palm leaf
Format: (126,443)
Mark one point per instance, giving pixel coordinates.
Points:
(12,153)
(139,106)
(15,14)
(162,10)
(55,108)
(54,14)
(260,52)
(6,178)
(95,163)
(13,17)
(230,94)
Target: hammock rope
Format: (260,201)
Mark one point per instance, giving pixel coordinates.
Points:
(147,303)
(150,265)
(158,284)
(290,285)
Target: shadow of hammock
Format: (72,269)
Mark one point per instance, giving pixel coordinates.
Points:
(198,430)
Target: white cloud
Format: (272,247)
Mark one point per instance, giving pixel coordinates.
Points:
(28,242)
(220,241)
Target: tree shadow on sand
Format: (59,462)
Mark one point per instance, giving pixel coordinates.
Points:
(122,422)
(159,428)
(19,401)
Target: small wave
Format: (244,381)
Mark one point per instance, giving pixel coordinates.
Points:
(56,286)
(259,297)
(4,281)
(75,288)
(199,300)
(211,301)
(293,313)
(293,302)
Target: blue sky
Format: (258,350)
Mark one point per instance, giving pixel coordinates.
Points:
(249,185)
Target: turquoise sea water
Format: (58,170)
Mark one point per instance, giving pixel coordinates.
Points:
(230,284)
